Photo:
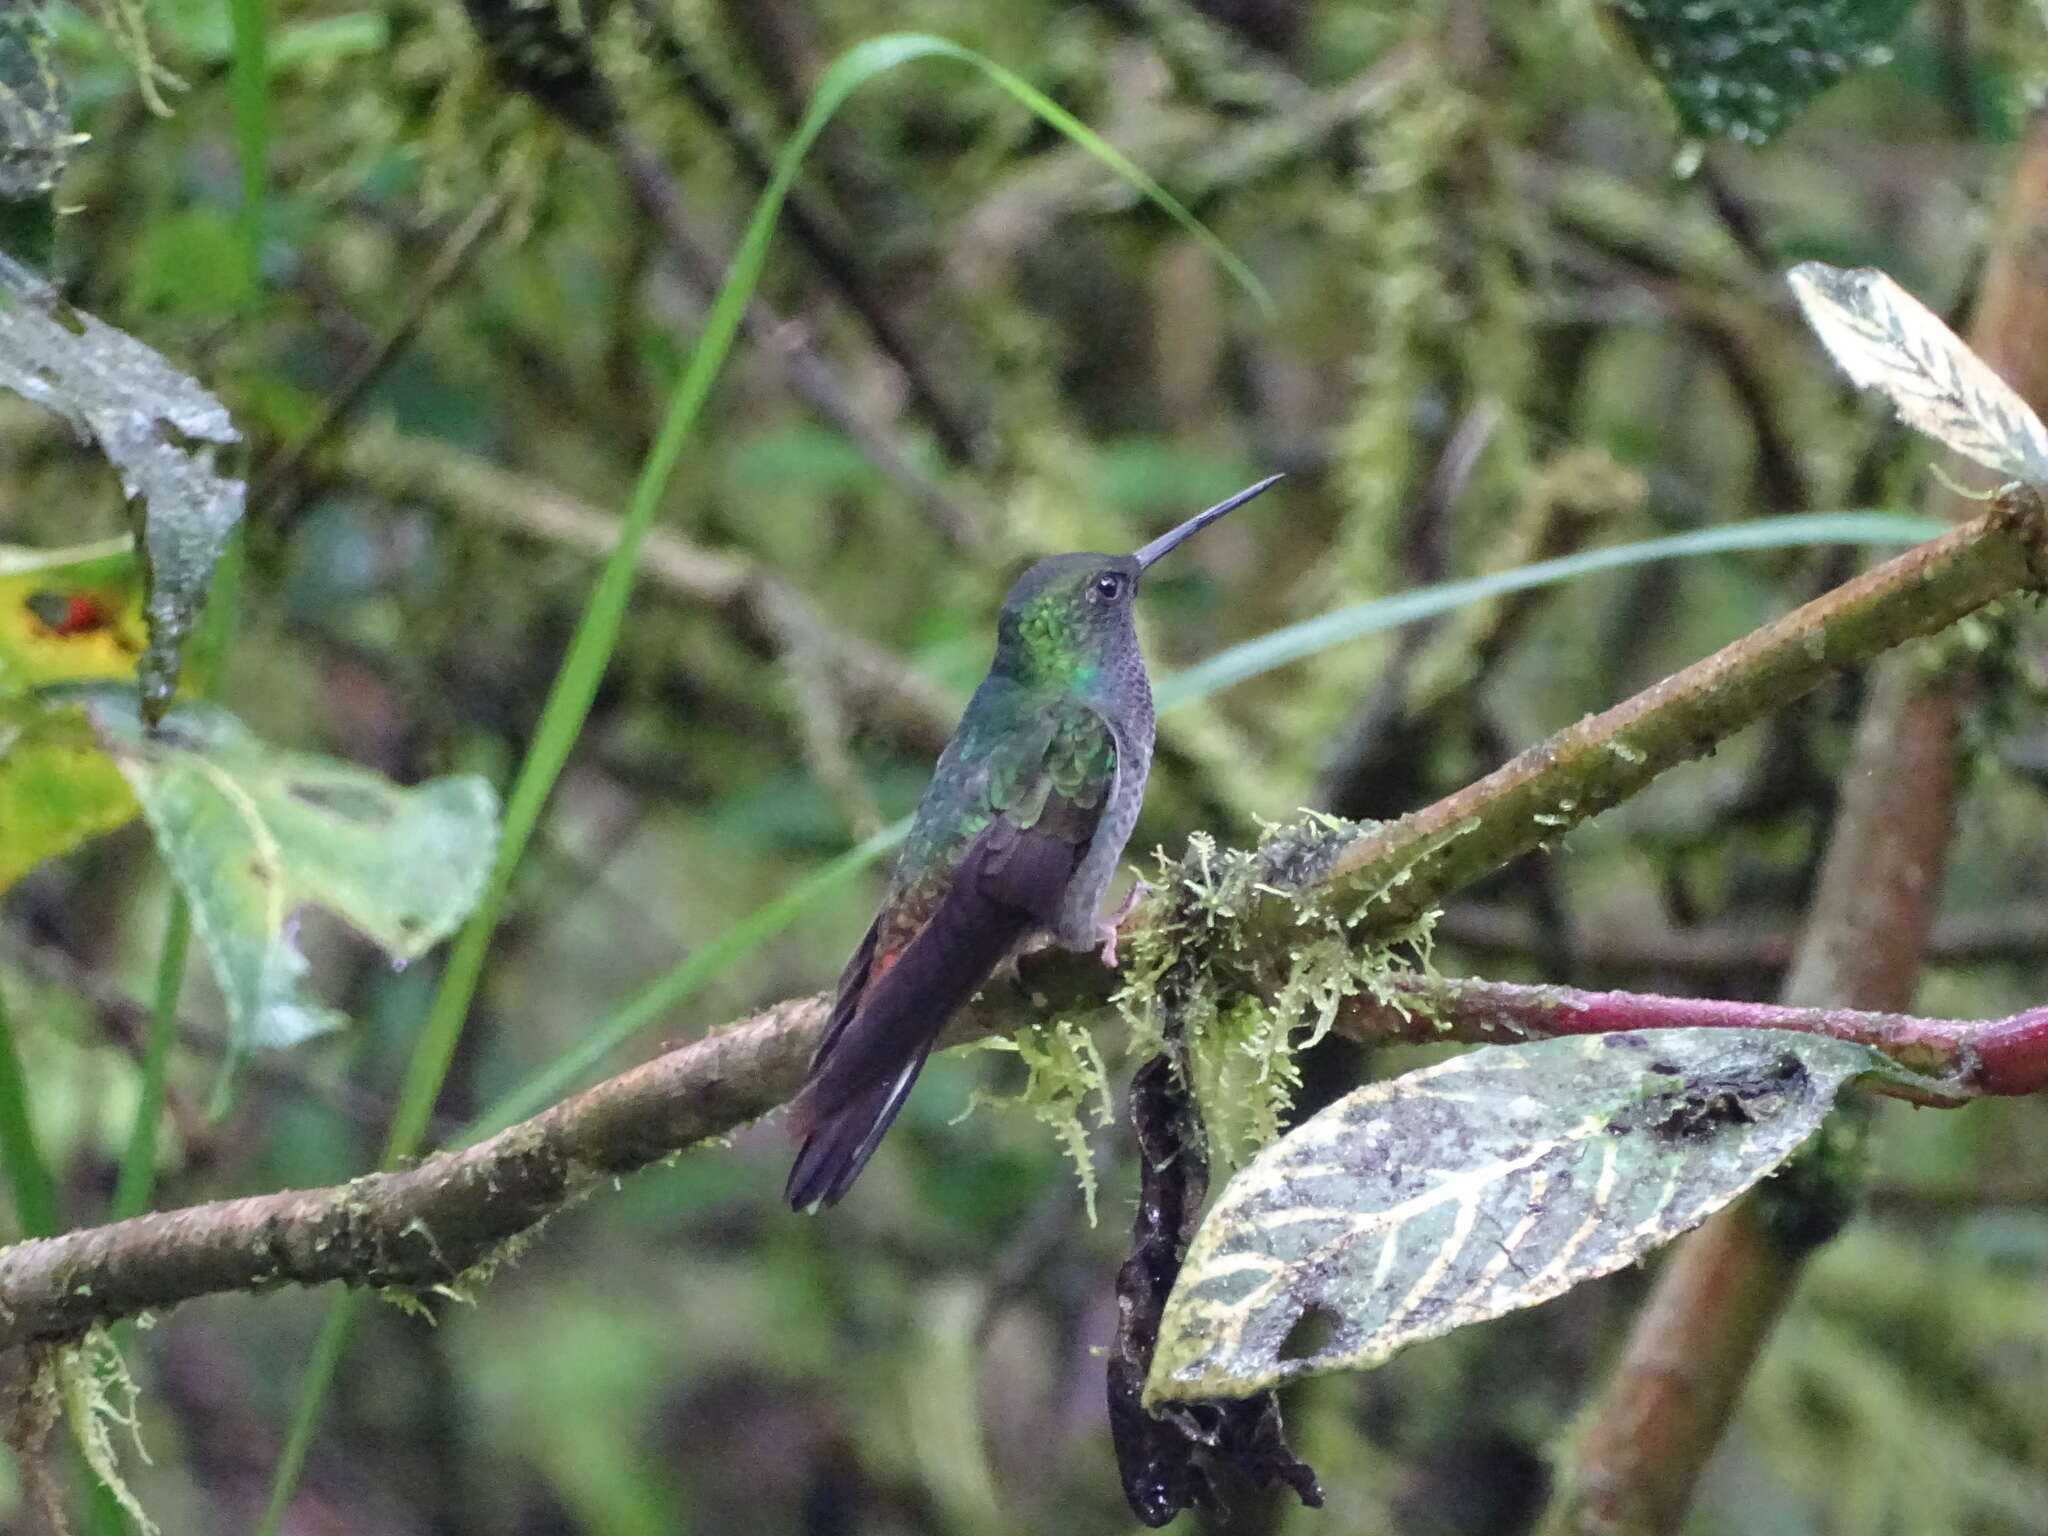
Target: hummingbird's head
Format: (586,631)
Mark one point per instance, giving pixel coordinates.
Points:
(1069,616)
(1066,617)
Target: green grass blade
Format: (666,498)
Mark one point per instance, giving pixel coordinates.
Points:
(138,1159)
(249,87)
(679,983)
(28,1176)
(590,649)
(298,1439)
(1296,642)
(1093,142)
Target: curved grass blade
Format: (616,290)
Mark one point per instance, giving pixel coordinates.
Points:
(679,983)
(28,1175)
(690,975)
(1296,642)
(597,631)
(138,1158)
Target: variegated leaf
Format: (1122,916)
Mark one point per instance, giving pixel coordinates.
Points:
(1885,339)
(1493,1181)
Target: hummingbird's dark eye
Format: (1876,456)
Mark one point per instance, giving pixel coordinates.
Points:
(1109,586)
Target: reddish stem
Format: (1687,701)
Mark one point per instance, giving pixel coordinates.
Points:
(2003,1057)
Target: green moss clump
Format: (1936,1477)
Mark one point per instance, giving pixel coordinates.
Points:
(1236,1036)
(1066,1088)
(99,1395)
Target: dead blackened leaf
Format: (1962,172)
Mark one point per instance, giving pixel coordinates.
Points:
(1161,1456)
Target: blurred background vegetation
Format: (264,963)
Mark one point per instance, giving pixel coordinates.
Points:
(1518,312)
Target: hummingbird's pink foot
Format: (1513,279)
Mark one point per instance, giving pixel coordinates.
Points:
(1006,968)
(1137,893)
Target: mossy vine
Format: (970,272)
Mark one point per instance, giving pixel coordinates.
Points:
(1237,1050)
(99,1395)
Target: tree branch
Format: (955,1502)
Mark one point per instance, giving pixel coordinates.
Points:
(426,1226)
(767,609)
(429,1224)
(1410,865)
(1993,1057)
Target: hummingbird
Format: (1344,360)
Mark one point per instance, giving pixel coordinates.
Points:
(1018,833)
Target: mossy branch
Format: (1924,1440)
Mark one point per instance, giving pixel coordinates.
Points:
(429,1224)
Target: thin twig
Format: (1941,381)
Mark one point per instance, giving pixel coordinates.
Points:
(282,485)
(876,686)
(840,266)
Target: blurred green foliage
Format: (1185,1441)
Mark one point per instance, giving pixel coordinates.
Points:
(1466,213)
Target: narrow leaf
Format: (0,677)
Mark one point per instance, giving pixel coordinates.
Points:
(253,835)
(1885,339)
(159,428)
(1488,1183)
(1294,642)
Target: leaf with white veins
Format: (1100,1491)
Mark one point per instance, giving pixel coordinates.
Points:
(1488,1183)
(1885,339)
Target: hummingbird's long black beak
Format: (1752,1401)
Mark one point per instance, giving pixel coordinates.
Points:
(1199,521)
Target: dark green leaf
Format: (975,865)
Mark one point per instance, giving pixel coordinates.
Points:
(1743,69)
(158,427)
(253,835)
(1488,1183)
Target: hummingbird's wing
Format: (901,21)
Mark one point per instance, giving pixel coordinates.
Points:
(1030,818)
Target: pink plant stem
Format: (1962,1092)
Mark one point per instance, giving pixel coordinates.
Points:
(1969,1057)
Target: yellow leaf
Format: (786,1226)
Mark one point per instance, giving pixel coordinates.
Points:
(69,615)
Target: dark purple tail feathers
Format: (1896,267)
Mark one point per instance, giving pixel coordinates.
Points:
(883,1027)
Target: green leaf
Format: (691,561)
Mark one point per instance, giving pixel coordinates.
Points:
(69,615)
(158,427)
(57,788)
(66,615)
(1493,1181)
(253,834)
(1743,69)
